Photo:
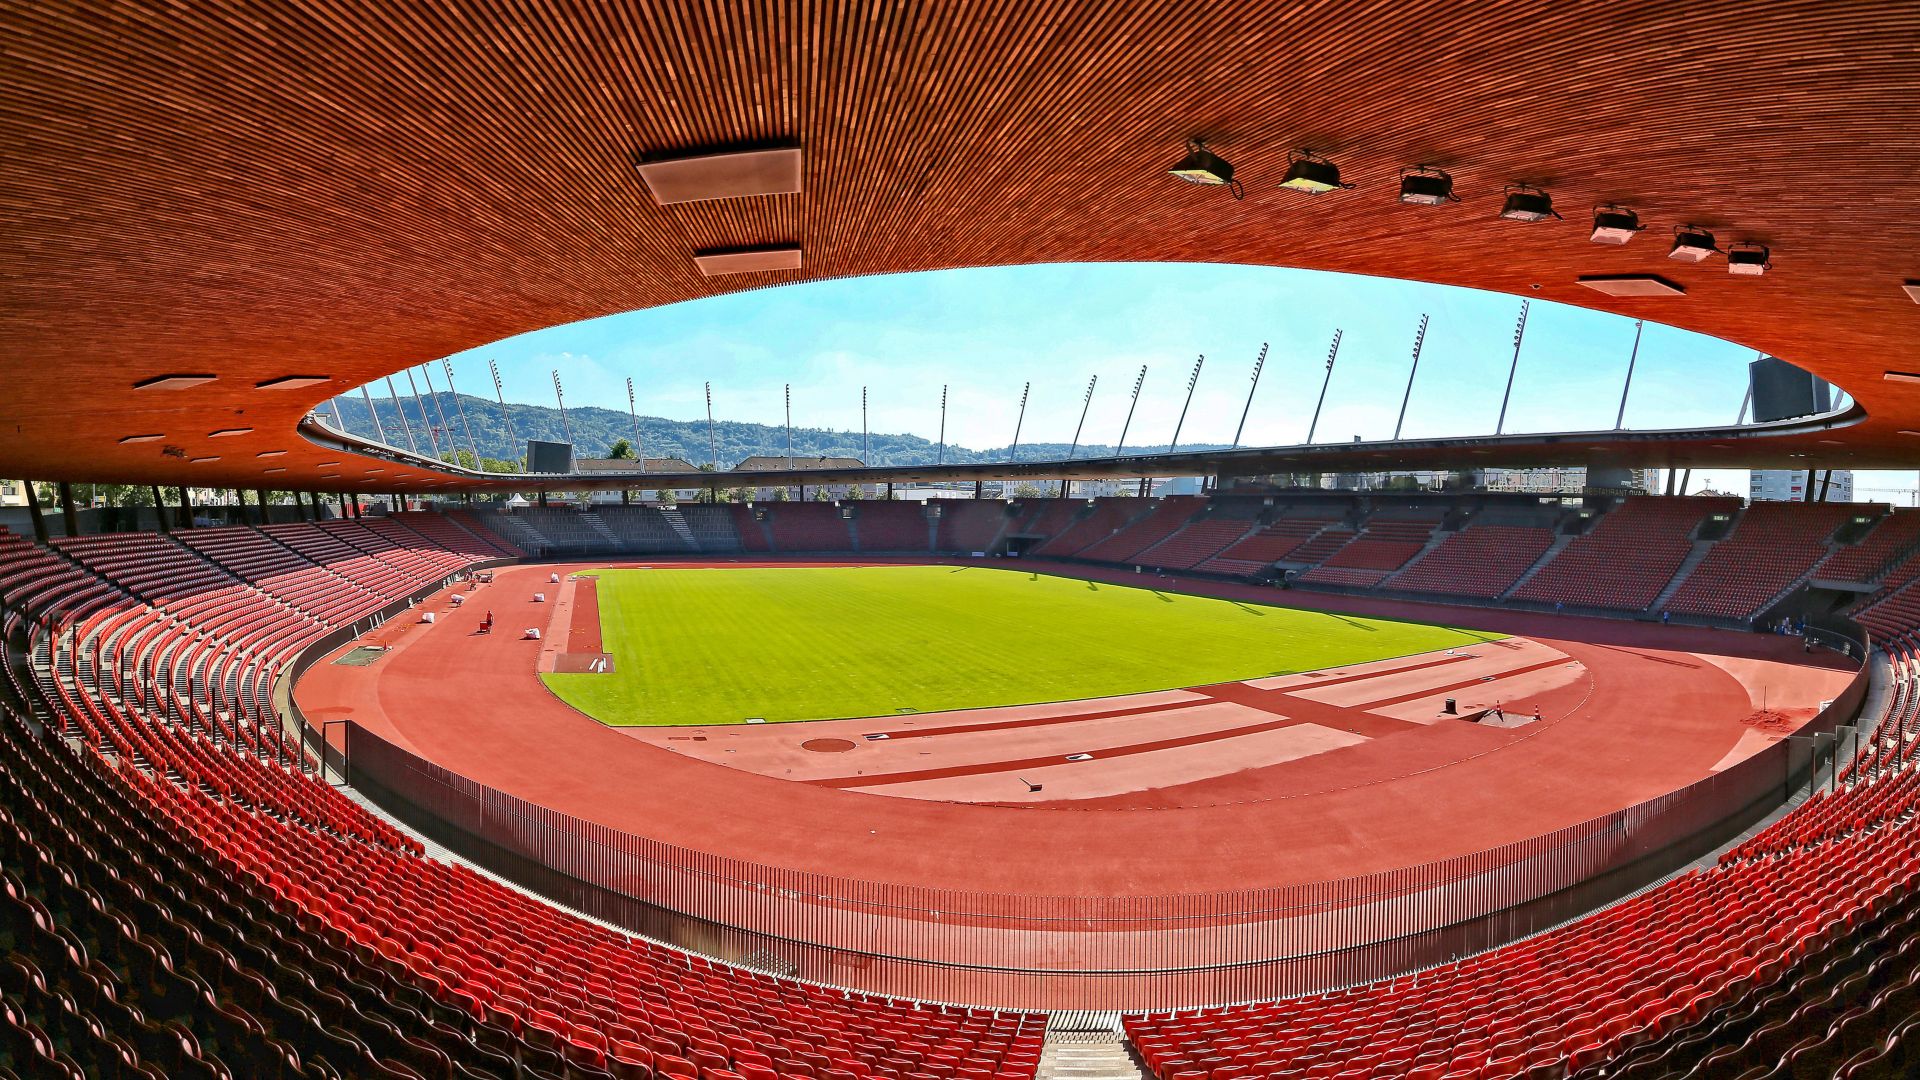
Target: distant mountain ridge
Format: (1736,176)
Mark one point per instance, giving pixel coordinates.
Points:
(595,429)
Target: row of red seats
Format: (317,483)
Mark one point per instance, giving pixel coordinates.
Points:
(1479,561)
(609,1001)
(1773,546)
(1629,557)
(1165,519)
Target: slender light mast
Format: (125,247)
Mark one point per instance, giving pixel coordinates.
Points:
(639,449)
(513,437)
(1519,335)
(426,421)
(1258,363)
(713,451)
(1333,354)
(405,425)
(1086,402)
(560,398)
(379,432)
(1419,339)
(789,427)
(460,408)
(942,459)
(1633,358)
(439,410)
(1020,421)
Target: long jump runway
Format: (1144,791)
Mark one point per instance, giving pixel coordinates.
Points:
(1243,785)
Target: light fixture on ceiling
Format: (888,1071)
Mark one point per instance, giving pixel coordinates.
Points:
(1424,185)
(173,382)
(292,382)
(329,476)
(1613,224)
(1313,174)
(328,464)
(1749,259)
(1631,285)
(228,433)
(140,438)
(747,260)
(1912,289)
(1909,431)
(1203,166)
(199,460)
(1525,202)
(733,175)
(1902,376)
(271,453)
(277,470)
(1691,243)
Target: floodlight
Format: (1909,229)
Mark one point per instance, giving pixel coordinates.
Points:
(1527,203)
(1748,259)
(1311,173)
(1691,243)
(1424,185)
(1614,224)
(1203,166)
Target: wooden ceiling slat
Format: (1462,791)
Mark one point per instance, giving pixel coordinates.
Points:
(347,187)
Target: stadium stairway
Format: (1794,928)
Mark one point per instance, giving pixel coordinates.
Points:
(599,526)
(1087,1046)
(1087,1056)
(678,523)
(1545,560)
(1701,549)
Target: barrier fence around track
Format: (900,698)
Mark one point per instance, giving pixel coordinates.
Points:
(1094,952)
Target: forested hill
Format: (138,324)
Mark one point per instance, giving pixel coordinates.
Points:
(594,430)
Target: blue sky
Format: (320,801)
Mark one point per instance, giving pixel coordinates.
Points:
(984,332)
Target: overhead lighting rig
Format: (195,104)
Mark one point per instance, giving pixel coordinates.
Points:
(1749,259)
(1525,202)
(1424,185)
(1203,166)
(1614,224)
(1312,173)
(1692,244)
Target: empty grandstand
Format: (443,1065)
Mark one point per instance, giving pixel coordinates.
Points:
(1573,783)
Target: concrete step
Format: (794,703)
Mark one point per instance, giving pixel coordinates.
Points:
(1086,1055)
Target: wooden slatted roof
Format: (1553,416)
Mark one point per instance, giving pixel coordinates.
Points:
(256,191)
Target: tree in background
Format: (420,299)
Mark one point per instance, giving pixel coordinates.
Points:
(1027,490)
(621,450)
(666,497)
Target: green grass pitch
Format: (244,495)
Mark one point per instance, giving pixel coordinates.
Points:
(701,646)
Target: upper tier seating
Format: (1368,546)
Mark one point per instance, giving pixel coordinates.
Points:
(969,525)
(453,534)
(643,529)
(752,531)
(1384,545)
(1480,560)
(1109,514)
(1278,540)
(711,526)
(1166,519)
(808,526)
(1195,544)
(885,525)
(1771,547)
(1044,517)
(1891,538)
(1628,558)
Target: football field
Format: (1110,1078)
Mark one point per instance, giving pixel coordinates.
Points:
(720,646)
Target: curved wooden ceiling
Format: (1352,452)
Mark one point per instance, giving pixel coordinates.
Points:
(255,191)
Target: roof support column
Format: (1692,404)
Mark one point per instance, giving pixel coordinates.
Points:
(159,508)
(33,510)
(68,519)
(186,508)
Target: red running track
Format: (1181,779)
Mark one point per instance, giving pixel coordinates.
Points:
(1668,706)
